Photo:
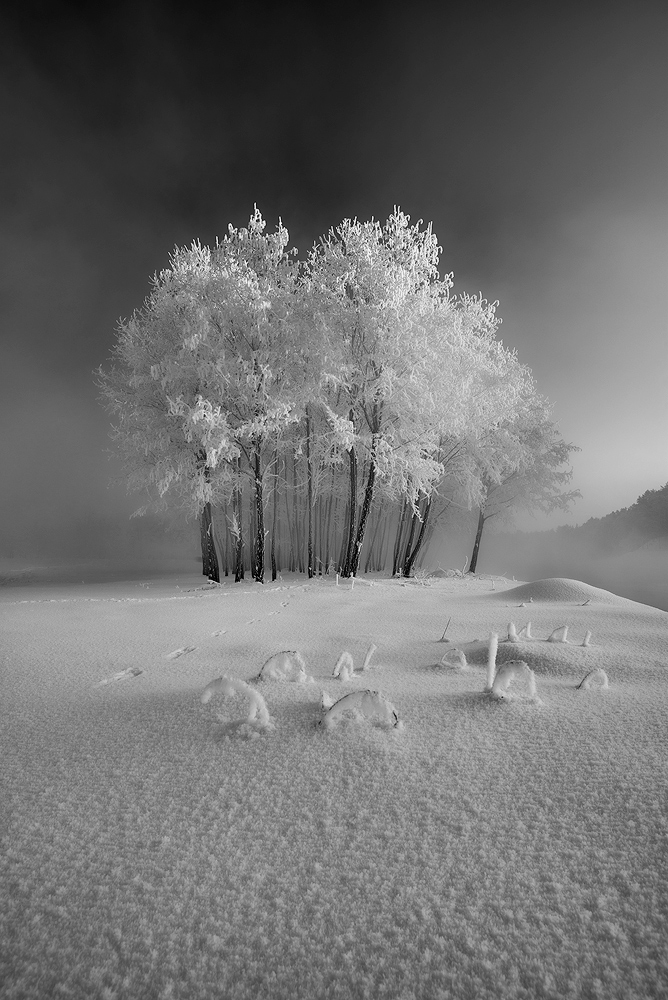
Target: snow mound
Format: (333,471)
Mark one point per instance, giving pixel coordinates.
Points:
(288,665)
(454,659)
(362,704)
(560,589)
(508,673)
(258,718)
(598,674)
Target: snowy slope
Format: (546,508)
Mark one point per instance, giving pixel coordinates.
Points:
(155,847)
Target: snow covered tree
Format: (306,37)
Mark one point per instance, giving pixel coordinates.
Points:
(171,434)
(520,467)
(266,385)
(202,377)
(309,405)
(408,364)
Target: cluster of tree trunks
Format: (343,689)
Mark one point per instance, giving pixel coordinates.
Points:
(340,527)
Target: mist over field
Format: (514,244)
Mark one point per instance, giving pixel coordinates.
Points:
(641,575)
(112,548)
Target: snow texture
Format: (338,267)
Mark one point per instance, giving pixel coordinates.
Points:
(495,850)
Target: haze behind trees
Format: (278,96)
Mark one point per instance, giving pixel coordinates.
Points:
(626,551)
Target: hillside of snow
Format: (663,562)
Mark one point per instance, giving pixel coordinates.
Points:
(455,845)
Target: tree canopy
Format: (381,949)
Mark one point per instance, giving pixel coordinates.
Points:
(320,403)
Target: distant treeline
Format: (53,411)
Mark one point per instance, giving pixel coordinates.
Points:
(623,530)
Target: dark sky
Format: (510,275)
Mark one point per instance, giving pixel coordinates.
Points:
(532,135)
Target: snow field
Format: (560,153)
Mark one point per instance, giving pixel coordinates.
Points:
(490,850)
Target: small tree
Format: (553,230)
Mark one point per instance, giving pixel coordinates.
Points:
(520,467)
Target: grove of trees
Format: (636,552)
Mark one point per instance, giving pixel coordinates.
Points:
(320,416)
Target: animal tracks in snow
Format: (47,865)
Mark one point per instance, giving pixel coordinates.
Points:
(122,675)
(174,655)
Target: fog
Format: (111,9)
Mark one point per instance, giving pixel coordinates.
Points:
(640,574)
(96,548)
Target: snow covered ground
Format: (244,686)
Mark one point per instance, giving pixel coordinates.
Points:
(157,847)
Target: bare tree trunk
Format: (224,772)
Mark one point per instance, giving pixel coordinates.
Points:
(398,536)
(309,496)
(237,501)
(366,507)
(371,553)
(352,512)
(295,513)
(288,521)
(379,561)
(476,544)
(204,543)
(410,557)
(274,520)
(211,568)
(409,541)
(344,541)
(258,566)
(331,504)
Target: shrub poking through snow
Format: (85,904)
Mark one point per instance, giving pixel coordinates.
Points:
(559,635)
(587,638)
(512,632)
(598,674)
(367,659)
(258,713)
(368,704)
(525,633)
(287,665)
(511,671)
(326,701)
(455,658)
(344,668)
(491,660)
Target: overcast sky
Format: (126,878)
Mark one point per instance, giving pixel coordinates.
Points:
(534,136)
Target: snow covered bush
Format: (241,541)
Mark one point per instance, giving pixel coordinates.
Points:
(258,717)
(367,659)
(362,704)
(598,674)
(287,665)
(455,658)
(491,659)
(344,668)
(510,671)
